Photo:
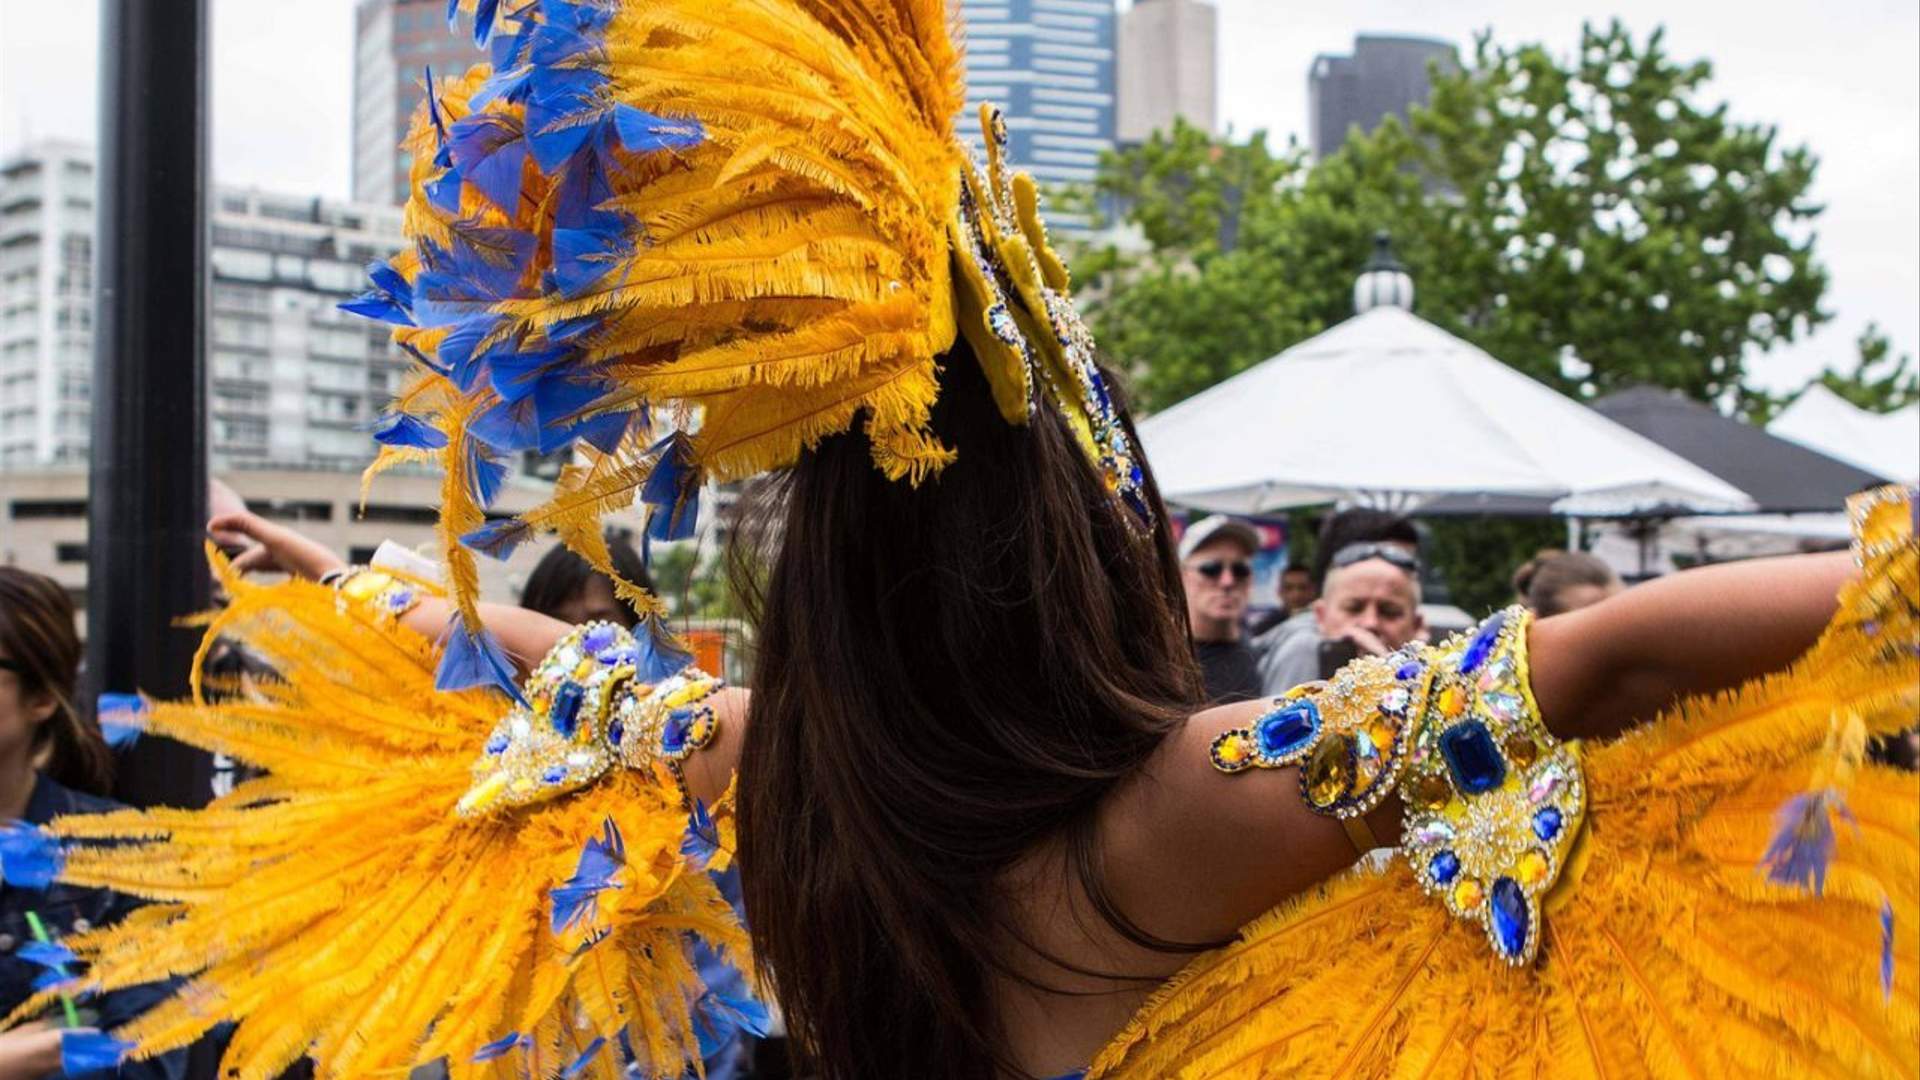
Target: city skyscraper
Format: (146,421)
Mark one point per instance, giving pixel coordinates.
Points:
(46,305)
(1385,75)
(394,43)
(1049,64)
(1168,51)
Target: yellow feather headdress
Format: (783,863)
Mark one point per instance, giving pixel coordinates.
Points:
(690,239)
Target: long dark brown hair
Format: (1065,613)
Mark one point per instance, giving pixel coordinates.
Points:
(37,633)
(949,676)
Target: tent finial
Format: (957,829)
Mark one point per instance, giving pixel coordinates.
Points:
(1384,281)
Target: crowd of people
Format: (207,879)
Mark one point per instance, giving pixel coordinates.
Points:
(1360,596)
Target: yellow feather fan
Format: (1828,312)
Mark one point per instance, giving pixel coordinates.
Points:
(338,907)
(1669,951)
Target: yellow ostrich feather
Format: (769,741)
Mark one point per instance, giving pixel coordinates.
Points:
(337,908)
(1669,953)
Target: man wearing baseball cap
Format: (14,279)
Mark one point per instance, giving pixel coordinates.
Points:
(1216,566)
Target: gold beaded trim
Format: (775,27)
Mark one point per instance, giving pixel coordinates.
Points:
(587,712)
(386,592)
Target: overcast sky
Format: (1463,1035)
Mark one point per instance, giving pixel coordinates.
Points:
(1842,77)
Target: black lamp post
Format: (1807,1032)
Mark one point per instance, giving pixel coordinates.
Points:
(147,491)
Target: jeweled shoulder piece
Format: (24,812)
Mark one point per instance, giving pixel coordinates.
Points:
(585,713)
(1349,735)
(1493,802)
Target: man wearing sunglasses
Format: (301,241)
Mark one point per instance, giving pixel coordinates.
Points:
(1216,562)
(1370,607)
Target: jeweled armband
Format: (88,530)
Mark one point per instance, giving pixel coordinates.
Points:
(1347,735)
(586,712)
(1493,802)
(387,593)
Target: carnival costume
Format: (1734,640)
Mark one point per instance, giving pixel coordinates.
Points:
(690,238)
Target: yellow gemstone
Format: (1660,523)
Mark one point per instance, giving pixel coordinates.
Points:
(1430,790)
(1329,772)
(1455,812)
(584,668)
(1232,750)
(1467,894)
(1382,734)
(1522,751)
(1532,869)
(1453,700)
(366,584)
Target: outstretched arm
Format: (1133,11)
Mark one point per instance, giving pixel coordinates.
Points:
(526,635)
(1602,669)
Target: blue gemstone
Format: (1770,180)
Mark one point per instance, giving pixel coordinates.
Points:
(673,737)
(598,638)
(1547,822)
(1511,921)
(554,775)
(615,732)
(1443,867)
(565,713)
(1136,476)
(1472,757)
(1409,670)
(1481,646)
(497,744)
(1287,729)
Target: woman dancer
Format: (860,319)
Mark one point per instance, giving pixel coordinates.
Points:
(981,830)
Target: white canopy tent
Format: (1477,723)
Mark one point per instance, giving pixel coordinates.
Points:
(1884,443)
(1389,410)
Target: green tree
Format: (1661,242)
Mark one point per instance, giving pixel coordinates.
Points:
(1590,221)
(1879,382)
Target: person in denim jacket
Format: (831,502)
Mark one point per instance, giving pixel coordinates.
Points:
(53,762)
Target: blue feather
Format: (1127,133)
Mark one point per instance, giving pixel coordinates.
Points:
(29,857)
(508,50)
(564,105)
(442,156)
(507,427)
(83,1050)
(473,660)
(489,151)
(498,538)
(703,837)
(569,329)
(503,1046)
(585,1059)
(642,132)
(425,360)
(605,431)
(487,475)
(554,42)
(1886,949)
(600,861)
(123,717)
(402,429)
(507,83)
(443,192)
(581,257)
(516,373)
(1803,842)
(391,282)
(717,1016)
(672,490)
(50,954)
(453,13)
(51,978)
(456,350)
(378,307)
(483,16)
(659,658)
(558,401)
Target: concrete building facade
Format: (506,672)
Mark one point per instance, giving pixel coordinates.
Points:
(1167,65)
(1049,64)
(1384,76)
(46,305)
(394,43)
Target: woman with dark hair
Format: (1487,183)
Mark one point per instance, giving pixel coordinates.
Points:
(53,762)
(567,587)
(1556,582)
(985,828)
